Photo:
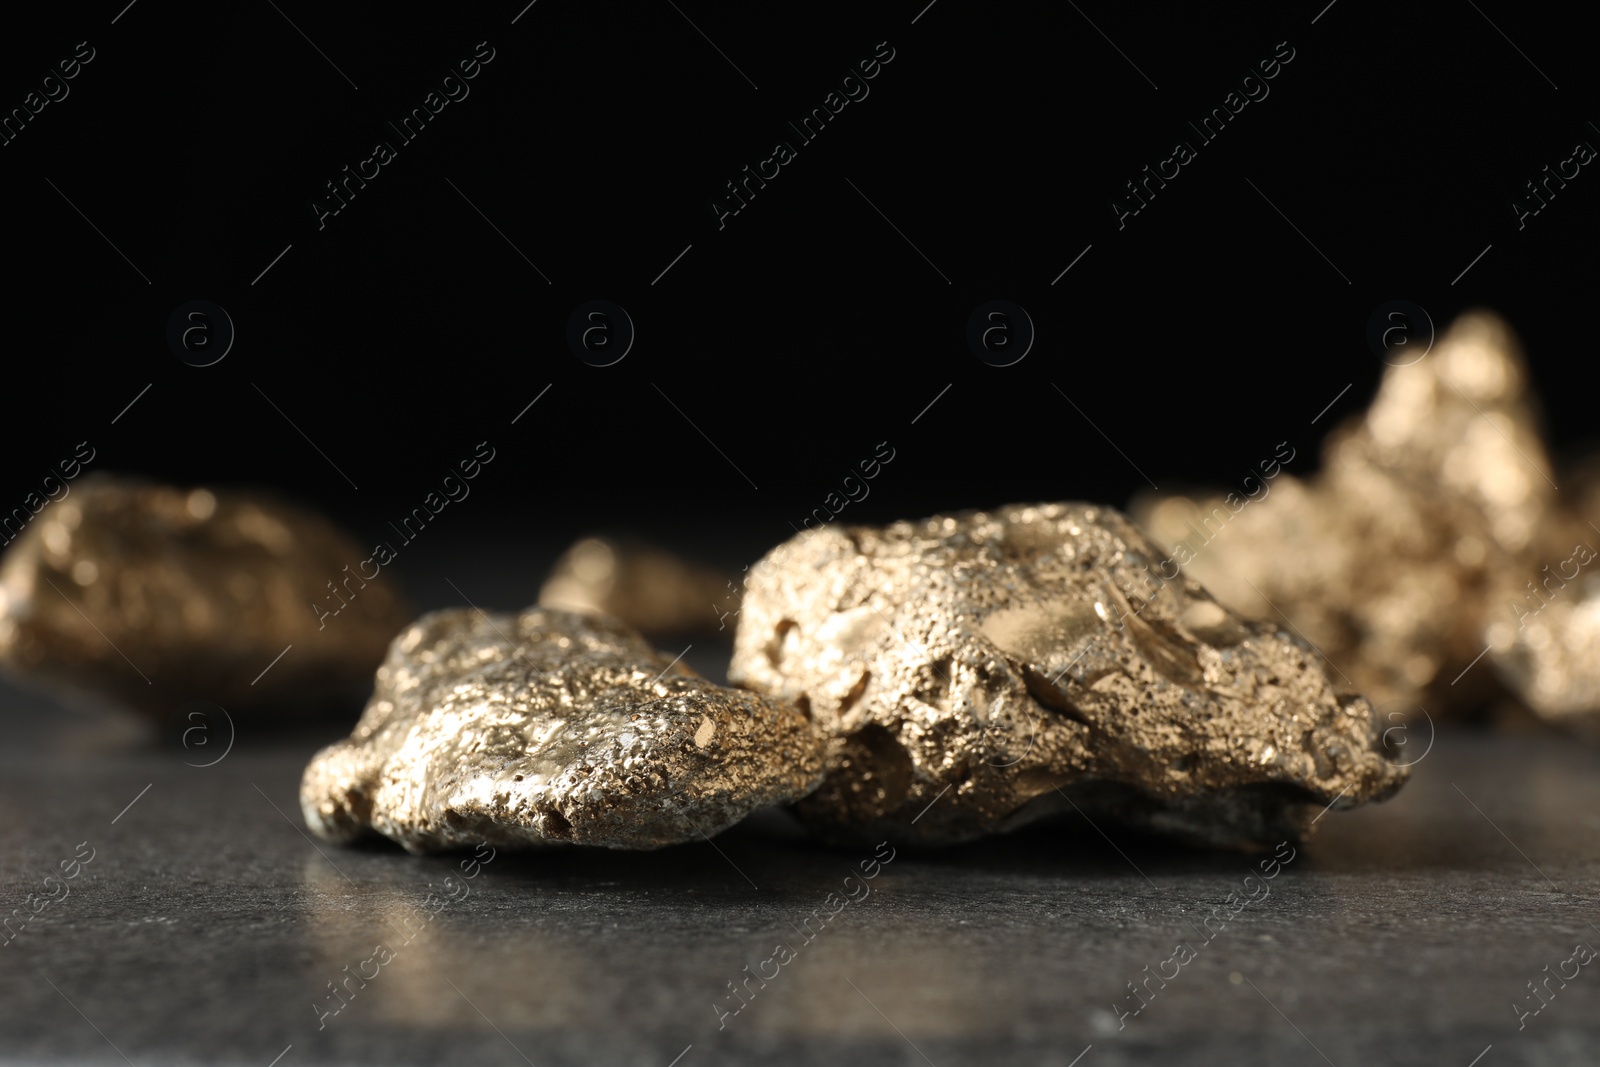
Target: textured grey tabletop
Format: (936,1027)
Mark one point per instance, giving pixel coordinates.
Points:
(207,928)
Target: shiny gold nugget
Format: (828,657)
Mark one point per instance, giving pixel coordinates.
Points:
(1424,523)
(552,727)
(975,671)
(153,596)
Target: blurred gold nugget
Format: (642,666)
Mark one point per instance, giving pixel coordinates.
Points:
(1431,510)
(151,596)
(551,727)
(650,589)
(978,670)
(1545,639)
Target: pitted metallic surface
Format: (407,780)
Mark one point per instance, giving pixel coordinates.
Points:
(975,671)
(649,588)
(151,596)
(1430,513)
(551,727)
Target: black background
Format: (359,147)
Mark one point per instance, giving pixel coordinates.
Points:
(807,330)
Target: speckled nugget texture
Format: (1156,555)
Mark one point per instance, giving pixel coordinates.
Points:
(152,596)
(552,727)
(975,671)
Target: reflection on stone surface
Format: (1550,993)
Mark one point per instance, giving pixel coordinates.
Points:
(648,588)
(1394,560)
(151,595)
(977,670)
(536,955)
(551,727)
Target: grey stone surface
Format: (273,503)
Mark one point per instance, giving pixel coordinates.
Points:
(208,924)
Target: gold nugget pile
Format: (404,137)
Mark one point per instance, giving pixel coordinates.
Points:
(926,682)
(929,682)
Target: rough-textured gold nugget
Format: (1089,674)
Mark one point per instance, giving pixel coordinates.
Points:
(1425,520)
(153,596)
(552,727)
(978,670)
(650,589)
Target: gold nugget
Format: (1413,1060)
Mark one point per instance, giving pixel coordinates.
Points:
(153,596)
(650,589)
(551,727)
(975,671)
(1426,518)
(1545,638)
